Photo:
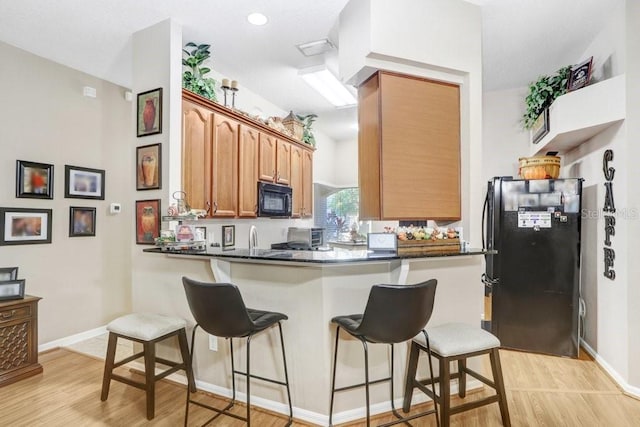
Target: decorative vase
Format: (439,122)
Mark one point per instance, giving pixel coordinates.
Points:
(149,114)
(148,223)
(148,170)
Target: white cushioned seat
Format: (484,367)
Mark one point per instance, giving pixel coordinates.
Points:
(145,326)
(452,339)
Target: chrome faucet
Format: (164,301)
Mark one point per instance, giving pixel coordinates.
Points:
(253,237)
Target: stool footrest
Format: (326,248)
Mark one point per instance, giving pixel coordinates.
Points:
(128,359)
(128,381)
(349,387)
(223,411)
(472,405)
(257,377)
(482,378)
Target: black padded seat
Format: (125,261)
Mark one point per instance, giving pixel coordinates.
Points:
(394,314)
(218,308)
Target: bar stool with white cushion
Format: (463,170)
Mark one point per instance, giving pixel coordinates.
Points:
(456,342)
(147,329)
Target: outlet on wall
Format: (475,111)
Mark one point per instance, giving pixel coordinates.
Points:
(213,343)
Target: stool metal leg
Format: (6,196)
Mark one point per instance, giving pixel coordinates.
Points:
(286,375)
(108,365)
(150,376)
(249,381)
(499,381)
(333,377)
(366,378)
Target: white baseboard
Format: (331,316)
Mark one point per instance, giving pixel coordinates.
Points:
(72,339)
(629,389)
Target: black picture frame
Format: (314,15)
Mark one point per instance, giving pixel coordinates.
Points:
(82,221)
(8,273)
(149,113)
(22,226)
(34,180)
(580,75)
(541,127)
(203,231)
(11,289)
(83,183)
(228,237)
(149,167)
(147,221)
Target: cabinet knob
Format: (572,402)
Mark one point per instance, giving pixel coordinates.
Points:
(208,207)
(278,179)
(215,207)
(8,314)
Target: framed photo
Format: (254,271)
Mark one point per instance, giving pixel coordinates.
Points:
(149,167)
(34,180)
(83,183)
(11,289)
(149,117)
(147,221)
(541,127)
(82,221)
(228,236)
(580,75)
(185,233)
(8,273)
(21,226)
(201,233)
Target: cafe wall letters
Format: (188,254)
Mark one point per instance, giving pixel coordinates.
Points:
(608,209)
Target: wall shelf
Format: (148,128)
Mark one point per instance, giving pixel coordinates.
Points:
(578,116)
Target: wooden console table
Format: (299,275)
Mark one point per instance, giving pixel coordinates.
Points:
(19,339)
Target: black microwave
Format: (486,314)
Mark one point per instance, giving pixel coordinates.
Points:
(274,200)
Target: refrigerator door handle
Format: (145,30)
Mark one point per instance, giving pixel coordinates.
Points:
(488,281)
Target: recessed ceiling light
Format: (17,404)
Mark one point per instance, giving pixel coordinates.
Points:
(257,18)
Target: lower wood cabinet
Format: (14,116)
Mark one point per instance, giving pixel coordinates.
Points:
(19,339)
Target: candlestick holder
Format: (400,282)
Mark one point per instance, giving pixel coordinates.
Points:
(233,97)
(225,89)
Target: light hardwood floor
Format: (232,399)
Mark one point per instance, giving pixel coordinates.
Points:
(541,390)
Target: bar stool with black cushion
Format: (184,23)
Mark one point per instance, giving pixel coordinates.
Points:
(456,342)
(219,310)
(147,329)
(393,314)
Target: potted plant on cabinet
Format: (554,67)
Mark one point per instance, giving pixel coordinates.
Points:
(542,93)
(193,78)
(307,123)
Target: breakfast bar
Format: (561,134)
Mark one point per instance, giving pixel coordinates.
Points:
(311,287)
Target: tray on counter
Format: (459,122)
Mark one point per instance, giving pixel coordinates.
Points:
(196,245)
(424,246)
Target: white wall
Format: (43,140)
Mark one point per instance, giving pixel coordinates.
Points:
(346,164)
(84,281)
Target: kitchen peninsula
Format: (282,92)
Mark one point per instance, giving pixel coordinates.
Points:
(311,287)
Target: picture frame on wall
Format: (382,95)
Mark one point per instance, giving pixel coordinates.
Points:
(149,167)
(149,113)
(34,180)
(8,273)
(83,183)
(147,221)
(580,75)
(82,221)
(228,237)
(541,127)
(22,226)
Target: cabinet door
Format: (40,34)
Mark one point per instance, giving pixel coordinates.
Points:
(196,154)
(297,188)
(283,163)
(369,149)
(248,172)
(420,154)
(307,183)
(267,158)
(224,166)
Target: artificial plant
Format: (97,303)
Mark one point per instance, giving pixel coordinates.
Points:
(193,78)
(307,123)
(542,93)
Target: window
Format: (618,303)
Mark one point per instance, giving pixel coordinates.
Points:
(337,211)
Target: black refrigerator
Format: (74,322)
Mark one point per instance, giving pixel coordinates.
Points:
(532,283)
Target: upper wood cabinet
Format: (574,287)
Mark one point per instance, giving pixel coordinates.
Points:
(224,154)
(248,171)
(224,167)
(301,182)
(408,148)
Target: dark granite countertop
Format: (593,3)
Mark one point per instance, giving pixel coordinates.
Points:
(317,257)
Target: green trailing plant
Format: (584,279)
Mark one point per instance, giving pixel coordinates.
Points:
(193,79)
(542,93)
(307,124)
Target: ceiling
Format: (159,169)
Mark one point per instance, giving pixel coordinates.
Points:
(521,40)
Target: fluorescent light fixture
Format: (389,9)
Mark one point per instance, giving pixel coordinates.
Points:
(257,18)
(328,85)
